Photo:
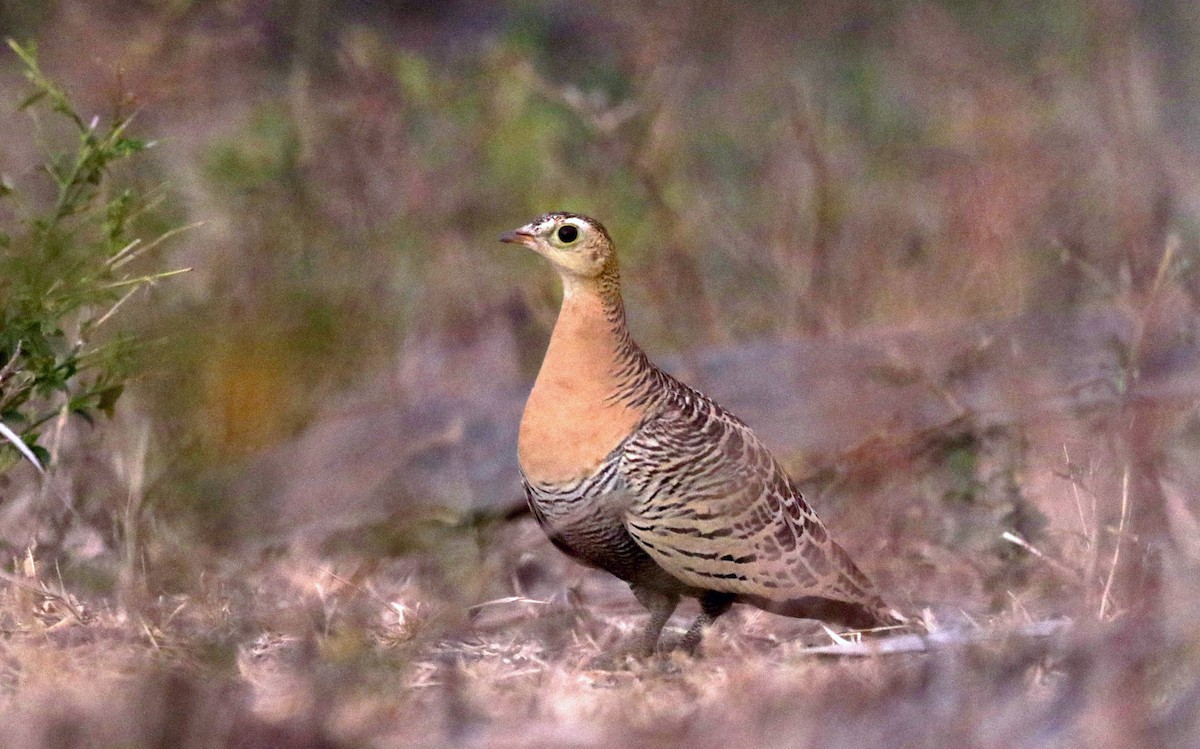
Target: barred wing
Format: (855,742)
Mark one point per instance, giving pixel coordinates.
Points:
(713,508)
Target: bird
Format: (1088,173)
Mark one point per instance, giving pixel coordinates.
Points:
(629,470)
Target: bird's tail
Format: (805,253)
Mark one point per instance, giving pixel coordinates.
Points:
(870,611)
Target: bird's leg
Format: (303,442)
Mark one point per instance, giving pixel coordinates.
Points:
(712,605)
(661,606)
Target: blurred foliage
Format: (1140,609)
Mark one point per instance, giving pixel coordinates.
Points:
(974,485)
(65,270)
(773,170)
(767,168)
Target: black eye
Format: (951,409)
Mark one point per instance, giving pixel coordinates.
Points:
(567,234)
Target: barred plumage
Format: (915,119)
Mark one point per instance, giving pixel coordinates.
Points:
(634,472)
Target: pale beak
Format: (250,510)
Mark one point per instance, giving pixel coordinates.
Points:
(518,236)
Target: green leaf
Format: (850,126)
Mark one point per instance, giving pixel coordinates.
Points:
(108,398)
(42,453)
(127,146)
(32,99)
(27,53)
(22,445)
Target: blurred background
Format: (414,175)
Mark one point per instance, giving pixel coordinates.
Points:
(939,254)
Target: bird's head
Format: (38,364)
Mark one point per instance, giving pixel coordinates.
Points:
(578,246)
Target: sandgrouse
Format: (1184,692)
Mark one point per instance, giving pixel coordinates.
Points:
(629,470)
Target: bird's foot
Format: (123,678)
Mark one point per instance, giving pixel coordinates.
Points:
(633,660)
(622,658)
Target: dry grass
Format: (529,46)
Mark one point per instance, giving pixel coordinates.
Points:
(311,651)
(306,649)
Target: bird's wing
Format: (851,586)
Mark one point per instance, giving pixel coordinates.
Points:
(712,507)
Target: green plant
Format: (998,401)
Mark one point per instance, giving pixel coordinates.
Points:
(66,266)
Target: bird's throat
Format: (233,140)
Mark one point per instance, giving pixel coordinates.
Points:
(572,421)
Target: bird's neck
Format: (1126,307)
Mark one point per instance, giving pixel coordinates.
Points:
(577,414)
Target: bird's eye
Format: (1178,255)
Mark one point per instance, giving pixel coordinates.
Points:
(567,234)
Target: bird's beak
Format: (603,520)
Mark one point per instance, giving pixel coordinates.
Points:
(518,236)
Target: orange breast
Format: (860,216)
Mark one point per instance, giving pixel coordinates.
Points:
(570,425)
